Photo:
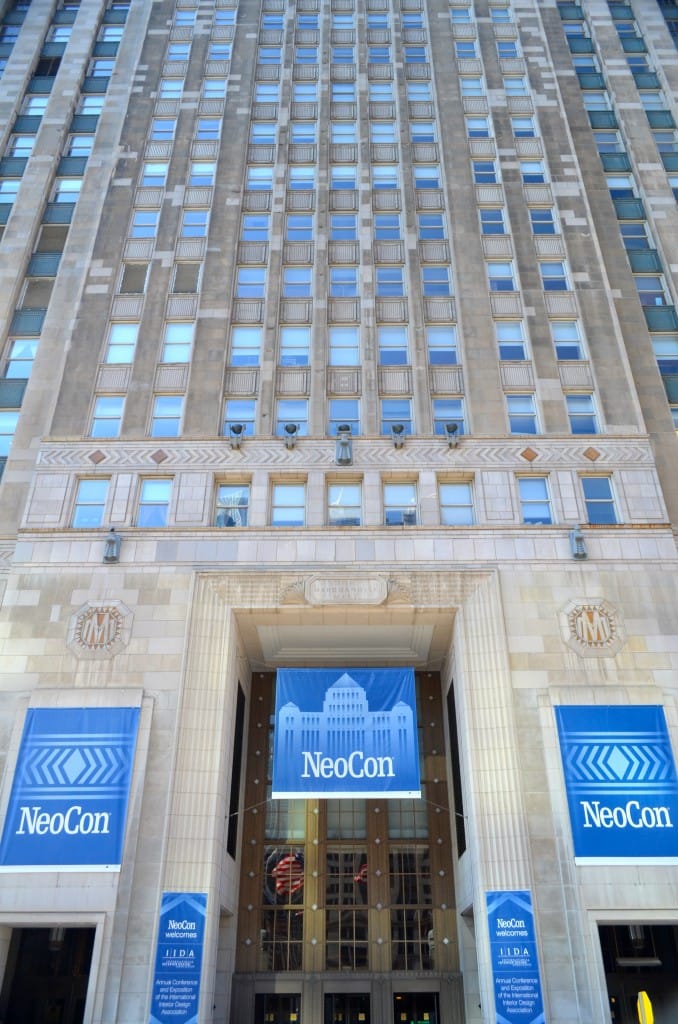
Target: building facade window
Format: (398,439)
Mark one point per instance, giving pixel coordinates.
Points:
(344,411)
(122,340)
(456,503)
(441,342)
(400,504)
(567,339)
(543,220)
(535,503)
(344,346)
(166,419)
(177,342)
(435,282)
(245,346)
(294,412)
(501,276)
(232,505)
(295,344)
(106,416)
(90,504)
(448,411)
(288,505)
(154,503)
(240,411)
(599,500)
(522,414)
(343,282)
(396,412)
(250,283)
(582,414)
(144,223)
(297,282)
(553,276)
(510,339)
(492,220)
(20,358)
(8,422)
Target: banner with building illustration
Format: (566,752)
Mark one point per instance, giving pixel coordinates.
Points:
(621,783)
(68,805)
(345,733)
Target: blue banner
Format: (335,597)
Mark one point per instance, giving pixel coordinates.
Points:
(68,805)
(621,782)
(345,733)
(178,960)
(515,963)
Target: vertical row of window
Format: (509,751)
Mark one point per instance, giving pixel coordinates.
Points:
(29,314)
(521,407)
(651,283)
(343,276)
(167,408)
(10,24)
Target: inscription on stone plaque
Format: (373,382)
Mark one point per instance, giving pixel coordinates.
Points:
(346,590)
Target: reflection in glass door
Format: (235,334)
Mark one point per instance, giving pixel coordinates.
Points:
(347,1008)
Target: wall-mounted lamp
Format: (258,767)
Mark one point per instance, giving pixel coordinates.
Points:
(577,544)
(344,448)
(290,431)
(452,434)
(236,433)
(112,546)
(398,435)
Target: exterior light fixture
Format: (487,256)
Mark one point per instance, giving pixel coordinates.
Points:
(344,449)
(290,431)
(112,546)
(577,544)
(236,432)
(398,435)
(452,434)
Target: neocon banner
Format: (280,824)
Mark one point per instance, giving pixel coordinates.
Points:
(515,964)
(345,733)
(621,783)
(68,804)
(178,960)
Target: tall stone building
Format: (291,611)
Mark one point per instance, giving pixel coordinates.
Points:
(338,334)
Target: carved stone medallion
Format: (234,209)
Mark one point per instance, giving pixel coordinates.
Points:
(100,629)
(592,628)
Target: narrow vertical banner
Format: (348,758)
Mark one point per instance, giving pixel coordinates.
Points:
(345,733)
(515,964)
(178,960)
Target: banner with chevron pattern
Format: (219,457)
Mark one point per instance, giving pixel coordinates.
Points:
(68,805)
(621,784)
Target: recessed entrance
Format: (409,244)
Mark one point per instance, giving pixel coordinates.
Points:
(347,1008)
(641,958)
(47,976)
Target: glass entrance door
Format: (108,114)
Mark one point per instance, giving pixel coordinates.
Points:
(274,1008)
(415,1008)
(347,1008)
(47,976)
